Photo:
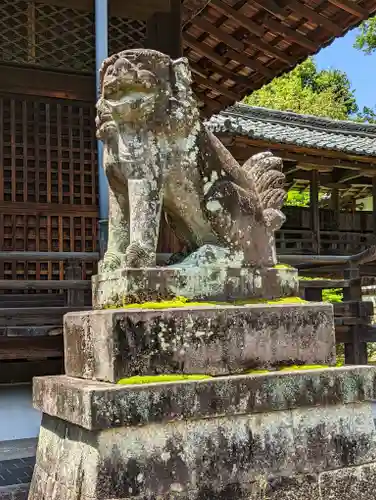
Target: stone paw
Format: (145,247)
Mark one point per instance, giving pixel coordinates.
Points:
(138,256)
(111,262)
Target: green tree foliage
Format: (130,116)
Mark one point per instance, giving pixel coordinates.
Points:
(297,198)
(306,90)
(366,38)
(367,115)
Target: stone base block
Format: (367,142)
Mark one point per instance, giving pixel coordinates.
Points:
(217,340)
(215,283)
(279,436)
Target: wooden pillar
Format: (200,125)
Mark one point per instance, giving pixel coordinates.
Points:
(374,208)
(335,207)
(315,212)
(164,31)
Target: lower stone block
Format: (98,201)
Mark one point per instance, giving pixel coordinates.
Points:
(241,451)
(349,483)
(215,340)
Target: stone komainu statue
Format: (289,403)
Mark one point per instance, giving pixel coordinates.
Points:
(160,158)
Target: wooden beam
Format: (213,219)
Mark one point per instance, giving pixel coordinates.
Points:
(31,347)
(315,210)
(244,59)
(314,17)
(13,372)
(374,208)
(236,16)
(335,206)
(336,159)
(204,50)
(271,7)
(290,34)
(204,71)
(164,31)
(272,51)
(350,177)
(141,9)
(29,81)
(351,7)
(38,209)
(212,104)
(314,166)
(253,28)
(241,58)
(221,89)
(320,161)
(219,34)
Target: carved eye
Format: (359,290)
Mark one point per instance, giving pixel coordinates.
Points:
(147,79)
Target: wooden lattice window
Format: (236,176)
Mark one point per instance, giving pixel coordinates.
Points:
(44,35)
(48,187)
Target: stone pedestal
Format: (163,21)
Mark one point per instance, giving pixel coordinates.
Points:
(208,282)
(281,436)
(111,344)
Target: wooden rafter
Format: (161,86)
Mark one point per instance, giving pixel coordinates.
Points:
(204,50)
(253,28)
(204,71)
(211,84)
(220,35)
(313,156)
(236,16)
(244,59)
(241,58)
(271,7)
(290,34)
(351,7)
(314,16)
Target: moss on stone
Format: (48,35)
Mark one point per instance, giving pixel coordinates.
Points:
(184,302)
(177,377)
(282,266)
(287,369)
(256,372)
(153,379)
(302,367)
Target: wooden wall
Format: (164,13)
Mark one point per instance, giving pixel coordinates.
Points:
(48,181)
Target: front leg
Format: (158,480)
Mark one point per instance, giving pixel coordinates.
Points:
(145,206)
(118,231)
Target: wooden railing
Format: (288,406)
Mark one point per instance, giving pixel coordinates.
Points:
(353,316)
(331,242)
(31,324)
(73,284)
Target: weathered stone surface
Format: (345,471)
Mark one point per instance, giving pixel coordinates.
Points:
(159,157)
(206,282)
(14,492)
(349,483)
(111,344)
(98,405)
(243,456)
(326,441)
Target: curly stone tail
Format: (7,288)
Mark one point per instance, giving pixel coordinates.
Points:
(266,171)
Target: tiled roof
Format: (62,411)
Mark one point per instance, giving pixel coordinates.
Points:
(300,130)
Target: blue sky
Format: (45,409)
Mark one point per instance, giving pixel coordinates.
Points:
(360,68)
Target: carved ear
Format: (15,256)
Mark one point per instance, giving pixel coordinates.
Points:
(182,72)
